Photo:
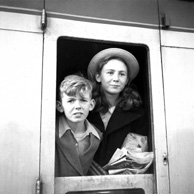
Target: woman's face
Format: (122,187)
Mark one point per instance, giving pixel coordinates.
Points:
(113,76)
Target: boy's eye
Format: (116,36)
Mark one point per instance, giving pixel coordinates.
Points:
(71,100)
(83,100)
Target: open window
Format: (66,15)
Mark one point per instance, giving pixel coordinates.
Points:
(74,55)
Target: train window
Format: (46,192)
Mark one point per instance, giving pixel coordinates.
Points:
(74,55)
(116,191)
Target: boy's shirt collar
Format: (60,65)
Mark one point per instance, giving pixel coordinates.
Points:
(65,127)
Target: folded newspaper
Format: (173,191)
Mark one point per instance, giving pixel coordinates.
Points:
(125,161)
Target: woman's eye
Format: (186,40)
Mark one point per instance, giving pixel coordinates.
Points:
(110,72)
(122,74)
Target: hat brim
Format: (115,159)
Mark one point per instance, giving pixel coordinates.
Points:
(130,60)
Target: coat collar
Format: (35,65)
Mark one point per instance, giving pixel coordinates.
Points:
(118,119)
(121,118)
(63,127)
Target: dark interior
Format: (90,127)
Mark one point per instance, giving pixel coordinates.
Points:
(74,55)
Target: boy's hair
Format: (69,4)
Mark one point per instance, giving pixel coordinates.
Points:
(73,85)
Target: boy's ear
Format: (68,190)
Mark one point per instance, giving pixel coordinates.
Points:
(59,106)
(92,104)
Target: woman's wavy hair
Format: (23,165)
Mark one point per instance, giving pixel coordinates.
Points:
(129,98)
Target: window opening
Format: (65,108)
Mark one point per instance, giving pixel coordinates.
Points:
(74,55)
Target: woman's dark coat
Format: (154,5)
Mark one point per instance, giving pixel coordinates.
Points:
(120,124)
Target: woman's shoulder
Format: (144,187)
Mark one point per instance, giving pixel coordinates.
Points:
(94,129)
(128,116)
(93,115)
(138,110)
(95,119)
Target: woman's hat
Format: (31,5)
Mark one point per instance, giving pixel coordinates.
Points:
(130,60)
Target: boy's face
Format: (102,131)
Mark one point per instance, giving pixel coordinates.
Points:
(76,108)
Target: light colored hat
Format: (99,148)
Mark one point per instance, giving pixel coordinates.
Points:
(130,60)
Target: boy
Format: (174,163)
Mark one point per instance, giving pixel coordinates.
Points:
(76,139)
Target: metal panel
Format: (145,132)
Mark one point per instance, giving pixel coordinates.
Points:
(20,110)
(119,34)
(26,4)
(177,39)
(24,15)
(180,14)
(12,21)
(133,12)
(107,182)
(179,95)
(48,115)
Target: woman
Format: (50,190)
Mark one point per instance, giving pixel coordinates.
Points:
(118,105)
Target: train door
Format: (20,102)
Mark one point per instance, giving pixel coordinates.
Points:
(75,32)
(21,43)
(177,43)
